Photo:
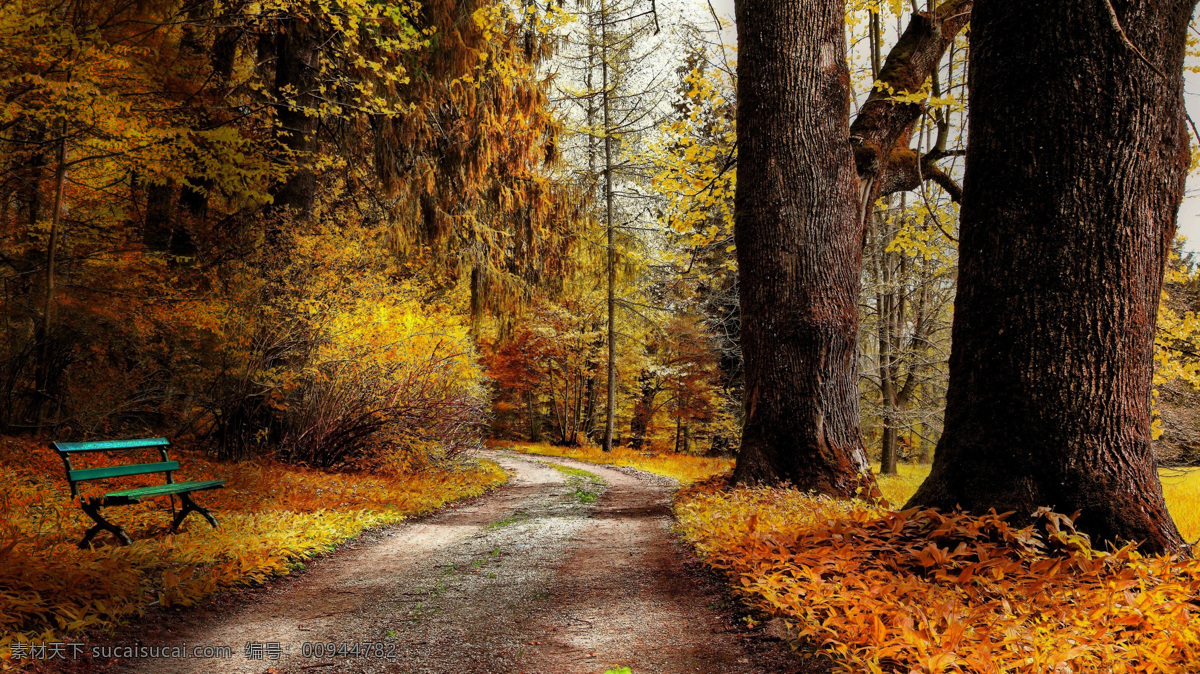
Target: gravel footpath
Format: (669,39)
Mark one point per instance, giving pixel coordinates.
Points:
(557,571)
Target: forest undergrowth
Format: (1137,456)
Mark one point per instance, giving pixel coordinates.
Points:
(273,519)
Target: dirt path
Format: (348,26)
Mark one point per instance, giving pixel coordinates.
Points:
(555,572)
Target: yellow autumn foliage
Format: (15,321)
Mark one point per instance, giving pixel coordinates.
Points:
(1175,356)
(273,518)
(685,468)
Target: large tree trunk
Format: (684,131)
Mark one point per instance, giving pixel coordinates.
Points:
(799,249)
(1074,174)
(800,210)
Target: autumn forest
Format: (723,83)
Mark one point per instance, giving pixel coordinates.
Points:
(864,330)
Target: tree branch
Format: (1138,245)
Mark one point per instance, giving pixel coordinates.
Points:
(883,127)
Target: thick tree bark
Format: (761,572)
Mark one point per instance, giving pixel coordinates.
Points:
(800,213)
(1074,174)
(799,249)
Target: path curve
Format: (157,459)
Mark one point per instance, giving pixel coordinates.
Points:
(550,573)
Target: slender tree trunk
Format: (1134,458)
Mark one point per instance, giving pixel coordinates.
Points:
(60,182)
(46,327)
(925,453)
(1074,175)
(36,165)
(888,459)
(591,100)
(295,71)
(887,371)
(592,407)
(916,388)
(577,422)
(556,416)
(799,249)
(589,410)
(611,404)
(529,411)
(535,434)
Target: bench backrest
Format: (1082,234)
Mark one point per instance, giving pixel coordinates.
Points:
(68,449)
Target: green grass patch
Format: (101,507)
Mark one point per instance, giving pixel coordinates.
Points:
(577,472)
(509,521)
(579,479)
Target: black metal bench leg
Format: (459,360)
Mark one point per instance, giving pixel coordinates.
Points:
(87,537)
(190,506)
(92,508)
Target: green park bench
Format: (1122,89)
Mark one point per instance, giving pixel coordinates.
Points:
(93,504)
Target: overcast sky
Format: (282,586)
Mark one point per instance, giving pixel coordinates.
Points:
(1189,213)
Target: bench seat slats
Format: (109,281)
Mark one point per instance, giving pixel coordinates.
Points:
(92,505)
(122,471)
(133,495)
(110,445)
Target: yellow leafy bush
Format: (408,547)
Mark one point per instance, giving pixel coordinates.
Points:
(920,591)
(272,518)
(683,467)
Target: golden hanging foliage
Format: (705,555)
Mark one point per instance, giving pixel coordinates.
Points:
(469,167)
(431,153)
(695,156)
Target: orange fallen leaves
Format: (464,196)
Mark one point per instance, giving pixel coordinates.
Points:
(922,591)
